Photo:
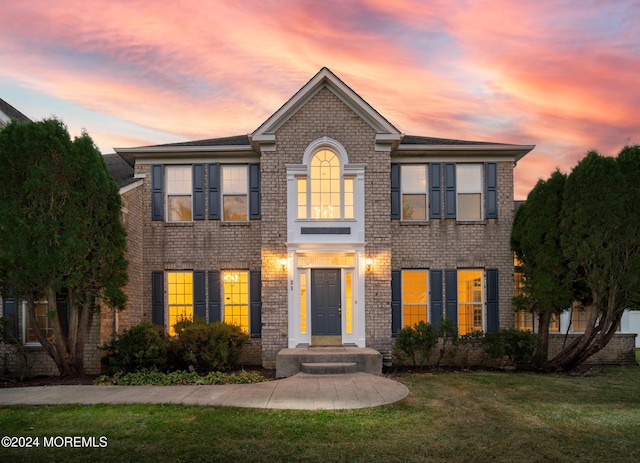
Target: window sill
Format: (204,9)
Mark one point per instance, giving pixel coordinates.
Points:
(414,223)
(235,224)
(178,224)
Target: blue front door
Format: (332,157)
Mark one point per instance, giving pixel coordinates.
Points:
(325,302)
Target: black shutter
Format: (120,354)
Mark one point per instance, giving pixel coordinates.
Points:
(493,318)
(157,298)
(450,190)
(214,191)
(10,312)
(157,192)
(254,191)
(436,298)
(198,192)
(451,295)
(214,296)
(435,196)
(396,301)
(492,190)
(255,294)
(396,208)
(199,295)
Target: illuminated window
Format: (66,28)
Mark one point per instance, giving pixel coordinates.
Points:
(469,191)
(523,318)
(236,298)
(180,294)
(303,303)
(325,194)
(235,203)
(348,287)
(470,301)
(414,297)
(414,192)
(179,193)
(44,322)
(580,317)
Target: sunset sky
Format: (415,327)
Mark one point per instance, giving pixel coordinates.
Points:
(561,74)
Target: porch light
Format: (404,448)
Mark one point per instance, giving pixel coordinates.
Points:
(283,264)
(369,262)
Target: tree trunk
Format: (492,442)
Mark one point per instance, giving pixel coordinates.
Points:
(544,320)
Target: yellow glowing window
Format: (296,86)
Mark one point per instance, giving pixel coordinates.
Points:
(325,185)
(349,302)
(414,297)
(348,198)
(302,198)
(470,301)
(180,295)
(236,298)
(179,193)
(303,303)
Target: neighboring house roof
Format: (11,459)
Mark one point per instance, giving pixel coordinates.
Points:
(237,140)
(119,170)
(8,112)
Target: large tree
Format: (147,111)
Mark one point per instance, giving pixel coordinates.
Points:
(546,287)
(60,232)
(598,256)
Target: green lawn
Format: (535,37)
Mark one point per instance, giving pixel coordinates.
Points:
(460,416)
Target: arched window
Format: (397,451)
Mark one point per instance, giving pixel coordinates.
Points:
(325,194)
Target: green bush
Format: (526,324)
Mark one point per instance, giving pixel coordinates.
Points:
(205,347)
(520,347)
(175,378)
(142,347)
(417,342)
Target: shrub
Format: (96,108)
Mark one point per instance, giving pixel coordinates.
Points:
(417,342)
(206,347)
(144,346)
(448,334)
(156,378)
(520,347)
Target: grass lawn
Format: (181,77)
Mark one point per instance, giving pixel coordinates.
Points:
(460,416)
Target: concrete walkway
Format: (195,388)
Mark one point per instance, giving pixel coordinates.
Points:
(299,392)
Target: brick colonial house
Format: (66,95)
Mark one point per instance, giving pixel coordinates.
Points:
(325,226)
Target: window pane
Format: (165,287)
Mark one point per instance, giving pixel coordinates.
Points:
(414,179)
(325,185)
(414,297)
(414,207)
(236,299)
(348,303)
(43,322)
(179,180)
(469,178)
(302,198)
(180,296)
(235,208)
(303,303)
(469,301)
(469,207)
(179,208)
(234,180)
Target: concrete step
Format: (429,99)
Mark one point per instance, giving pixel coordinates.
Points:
(290,361)
(329,368)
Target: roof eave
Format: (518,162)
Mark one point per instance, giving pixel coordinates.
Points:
(131,154)
(502,150)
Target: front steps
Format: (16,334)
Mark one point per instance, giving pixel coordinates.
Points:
(328,361)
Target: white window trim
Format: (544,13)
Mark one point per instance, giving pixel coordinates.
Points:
(482,188)
(415,192)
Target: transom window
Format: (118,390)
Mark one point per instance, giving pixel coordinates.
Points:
(235,184)
(179,191)
(414,192)
(470,301)
(325,194)
(414,297)
(469,190)
(236,298)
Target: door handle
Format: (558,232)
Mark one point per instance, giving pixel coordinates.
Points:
(340,310)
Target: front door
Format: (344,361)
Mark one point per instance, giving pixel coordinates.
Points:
(325,302)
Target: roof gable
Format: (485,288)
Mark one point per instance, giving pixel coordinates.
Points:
(386,134)
(8,112)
